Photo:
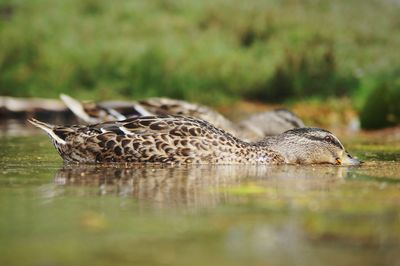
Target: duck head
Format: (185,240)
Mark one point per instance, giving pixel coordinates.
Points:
(310,146)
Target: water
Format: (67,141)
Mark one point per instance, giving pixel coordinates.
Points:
(201,215)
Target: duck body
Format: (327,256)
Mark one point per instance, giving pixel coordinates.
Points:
(155,139)
(186,140)
(271,123)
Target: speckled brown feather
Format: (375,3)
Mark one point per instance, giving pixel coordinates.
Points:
(166,106)
(158,139)
(92,112)
(252,128)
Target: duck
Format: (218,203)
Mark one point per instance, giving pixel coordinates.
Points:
(173,139)
(252,128)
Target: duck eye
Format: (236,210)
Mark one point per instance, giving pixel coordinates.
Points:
(328,138)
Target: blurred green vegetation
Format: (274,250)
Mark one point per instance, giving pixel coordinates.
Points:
(211,52)
(382,106)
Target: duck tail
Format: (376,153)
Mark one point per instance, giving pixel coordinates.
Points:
(76,107)
(49,129)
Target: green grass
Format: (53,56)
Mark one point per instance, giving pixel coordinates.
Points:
(211,52)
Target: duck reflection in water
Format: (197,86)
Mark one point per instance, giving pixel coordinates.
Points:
(198,186)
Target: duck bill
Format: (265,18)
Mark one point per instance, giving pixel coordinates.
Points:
(347,159)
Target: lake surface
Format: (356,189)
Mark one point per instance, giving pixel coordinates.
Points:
(53,214)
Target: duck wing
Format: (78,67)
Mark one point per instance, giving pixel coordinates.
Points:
(99,112)
(91,112)
(167,106)
(174,126)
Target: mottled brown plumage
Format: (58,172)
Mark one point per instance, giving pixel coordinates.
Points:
(254,127)
(185,140)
